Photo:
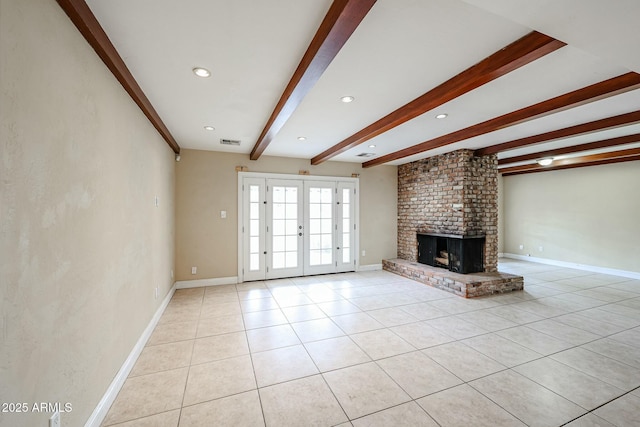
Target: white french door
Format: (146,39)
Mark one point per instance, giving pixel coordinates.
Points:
(319,225)
(283,229)
(296,227)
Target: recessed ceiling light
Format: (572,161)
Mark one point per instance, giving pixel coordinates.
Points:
(372,146)
(201,72)
(302,138)
(545,162)
(209,128)
(442,116)
(347,99)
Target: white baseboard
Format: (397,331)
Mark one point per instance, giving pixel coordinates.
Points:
(592,268)
(370,267)
(198,283)
(100,412)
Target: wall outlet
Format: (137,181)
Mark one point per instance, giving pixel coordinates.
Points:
(521,247)
(54,421)
(540,248)
(364,253)
(156,292)
(223,214)
(194,270)
(156,201)
(172,273)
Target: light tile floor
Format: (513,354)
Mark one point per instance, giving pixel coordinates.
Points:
(376,349)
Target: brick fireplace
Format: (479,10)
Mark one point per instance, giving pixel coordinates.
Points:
(451,194)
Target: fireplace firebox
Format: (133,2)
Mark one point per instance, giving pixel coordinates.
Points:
(459,254)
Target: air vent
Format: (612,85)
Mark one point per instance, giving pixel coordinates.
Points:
(229,141)
(366,154)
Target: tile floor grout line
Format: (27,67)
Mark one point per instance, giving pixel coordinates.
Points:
(600,406)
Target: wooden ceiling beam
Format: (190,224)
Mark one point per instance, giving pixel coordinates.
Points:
(595,92)
(581,129)
(521,52)
(82,17)
(605,143)
(629,155)
(338,25)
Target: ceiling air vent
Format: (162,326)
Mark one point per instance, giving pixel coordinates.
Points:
(366,154)
(229,141)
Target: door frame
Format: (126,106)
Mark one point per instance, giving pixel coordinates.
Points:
(243,175)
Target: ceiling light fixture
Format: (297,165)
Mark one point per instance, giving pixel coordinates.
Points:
(442,116)
(302,138)
(545,162)
(209,128)
(347,99)
(201,72)
(372,146)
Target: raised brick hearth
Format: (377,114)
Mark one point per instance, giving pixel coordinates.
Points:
(454,194)
(464,285)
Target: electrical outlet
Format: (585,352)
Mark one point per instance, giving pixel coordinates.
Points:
(54,421)
(364,253)
(194,270)
(157,201)
(223,214)
(521,247)
(172,273)
(156,292)
(540,248)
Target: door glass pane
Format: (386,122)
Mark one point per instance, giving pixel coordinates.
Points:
(285,227)
(254,193)
(320,226)
(314,242)
(278,244)
(254,262)
(254,227)
(291,195)
(291,244)
(279,210)
(292,227)
(278,260)
(278,194)
(278,227)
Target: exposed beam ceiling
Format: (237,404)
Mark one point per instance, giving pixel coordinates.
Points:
(343,18)
(628,155)
(612,142)
(529,48)
(82,17)
(581,129)
(595,92)
(273,88)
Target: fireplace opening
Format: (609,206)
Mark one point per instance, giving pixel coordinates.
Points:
(459,254)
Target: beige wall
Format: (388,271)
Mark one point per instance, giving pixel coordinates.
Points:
(82,246)
(587,216)
(206,183)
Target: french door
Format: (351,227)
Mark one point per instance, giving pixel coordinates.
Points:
(296,227)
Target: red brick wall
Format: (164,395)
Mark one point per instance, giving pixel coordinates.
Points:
(454,193)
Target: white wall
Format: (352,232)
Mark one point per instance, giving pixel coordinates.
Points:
(82,246)
(588,216)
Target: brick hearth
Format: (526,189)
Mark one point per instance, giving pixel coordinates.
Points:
(464,285)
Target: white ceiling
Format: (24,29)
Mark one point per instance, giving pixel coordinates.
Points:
(402,49)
